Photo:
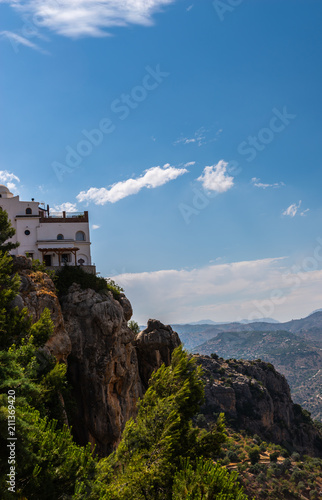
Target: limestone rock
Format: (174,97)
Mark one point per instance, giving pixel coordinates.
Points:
(102,367)
(37,292)
(154,346)
(255,397)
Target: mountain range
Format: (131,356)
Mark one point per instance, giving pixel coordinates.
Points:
(293,347)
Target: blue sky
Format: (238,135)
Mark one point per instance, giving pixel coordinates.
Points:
(191,131)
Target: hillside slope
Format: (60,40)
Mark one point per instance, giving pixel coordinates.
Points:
(296,358)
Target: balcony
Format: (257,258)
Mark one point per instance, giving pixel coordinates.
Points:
(63,217)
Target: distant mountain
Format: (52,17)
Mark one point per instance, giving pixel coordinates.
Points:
(203,322)
(309,328)
(299,359)
(263,320)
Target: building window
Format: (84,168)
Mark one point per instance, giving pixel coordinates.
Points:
(27,232)
(65,258)
(80,236)
(30,255)
(60,236)
(28,211)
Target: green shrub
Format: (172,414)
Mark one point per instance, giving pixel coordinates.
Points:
(274,456)
(68,275)
(134,327)
(254,455)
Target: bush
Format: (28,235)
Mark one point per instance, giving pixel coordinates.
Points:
(254,455)
(274,456)
(233,457)
(75,274)
(134,327)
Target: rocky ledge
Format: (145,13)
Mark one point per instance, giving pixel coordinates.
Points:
(255,397)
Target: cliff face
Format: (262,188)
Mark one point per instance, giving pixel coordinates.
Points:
(102,355)
(255,397)
(102,366)
(37,291)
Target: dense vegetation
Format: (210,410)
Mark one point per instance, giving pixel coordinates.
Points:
(161,455)
(68,275)
(168,452)
(268,471)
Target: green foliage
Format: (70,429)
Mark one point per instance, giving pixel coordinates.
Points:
(254,455)
(274,456)
(68,275)
(6,232)
(205,480)
(114,288)
(48,464)
(161,451)
(134,327)
(36,266)
(51,466)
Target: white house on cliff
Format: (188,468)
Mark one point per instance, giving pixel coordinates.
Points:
(54,238)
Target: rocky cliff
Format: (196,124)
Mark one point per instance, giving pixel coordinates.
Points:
(108,368)
(255,397)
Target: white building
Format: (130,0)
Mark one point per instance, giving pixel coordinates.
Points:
(54,238)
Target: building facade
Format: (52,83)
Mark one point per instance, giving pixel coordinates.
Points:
(54,238)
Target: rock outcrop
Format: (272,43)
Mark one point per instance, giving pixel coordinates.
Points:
(102,367)
(37,292)
(102,355)
(154,346)
(255,397)
(109,368)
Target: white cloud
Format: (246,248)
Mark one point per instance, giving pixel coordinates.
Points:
(189,164)
(215,178)
(224,292)
(258,183)
(17,40)
(152,178)
(293,209)
(76,18)
(95,226)
(7,178)
(65,207)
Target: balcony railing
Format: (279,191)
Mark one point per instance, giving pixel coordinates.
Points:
(64,217)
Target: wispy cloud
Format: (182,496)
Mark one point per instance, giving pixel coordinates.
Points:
(215,178)
(95,226)
(294,209)
(17,40)
(8,178)
(223,292)
(200,137)
(189,164)
(257,183)
(65,207)
(151,178)
(77,18)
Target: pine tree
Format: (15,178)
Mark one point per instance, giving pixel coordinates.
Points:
(6,232)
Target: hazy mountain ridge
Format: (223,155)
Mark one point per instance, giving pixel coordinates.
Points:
(309,328)
(299,359)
